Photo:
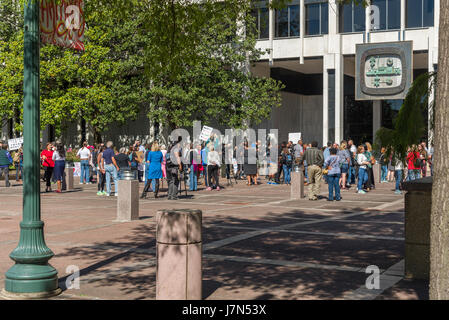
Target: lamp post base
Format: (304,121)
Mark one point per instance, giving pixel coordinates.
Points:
(29,296)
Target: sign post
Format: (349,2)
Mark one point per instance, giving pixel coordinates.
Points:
(31,276)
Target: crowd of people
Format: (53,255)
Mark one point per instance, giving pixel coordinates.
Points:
(341,166)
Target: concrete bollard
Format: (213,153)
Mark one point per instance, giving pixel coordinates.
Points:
(179,254)
(69,179)
(128,200)
(297,186)
(418,207)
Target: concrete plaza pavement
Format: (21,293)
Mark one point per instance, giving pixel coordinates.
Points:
(257,243)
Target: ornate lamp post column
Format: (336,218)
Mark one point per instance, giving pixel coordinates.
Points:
(31,276)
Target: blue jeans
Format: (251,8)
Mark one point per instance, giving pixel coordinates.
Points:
(334,184)
(193,179)
(351,175)
(84,171)
(363,178)
(111,170)
(305,173)
(205,175)
(398,177)
(413,175)
(19,170)
(287,170)
(384,172)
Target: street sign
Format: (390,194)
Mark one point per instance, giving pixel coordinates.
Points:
(15,144)
(62,23)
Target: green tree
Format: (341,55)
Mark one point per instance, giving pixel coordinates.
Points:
(412,120)
(217,86)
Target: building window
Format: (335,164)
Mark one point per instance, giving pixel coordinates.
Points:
(287,22)
(352,18)
(390,14)
(261,16)
(317,20)
(420,13)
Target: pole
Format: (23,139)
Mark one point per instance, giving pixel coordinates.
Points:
(31,276)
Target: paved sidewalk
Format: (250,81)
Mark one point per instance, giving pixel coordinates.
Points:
(258,244)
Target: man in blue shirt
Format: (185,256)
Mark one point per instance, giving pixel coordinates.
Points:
(110,168)
(5,162)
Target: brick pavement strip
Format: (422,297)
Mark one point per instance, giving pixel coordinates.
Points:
(119,257)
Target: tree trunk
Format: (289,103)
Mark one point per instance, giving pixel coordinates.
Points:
(439,232)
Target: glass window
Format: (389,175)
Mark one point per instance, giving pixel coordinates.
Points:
(346,18)
(294,21)
(261,21)
(282,23)
(317,18)
(359,18)
(414,13)
(264,23)
(394,14)
(428,11)
(324,18)
(313,19)
(420,13)
(382,23)
(389,14)
(287,22)
(352,18)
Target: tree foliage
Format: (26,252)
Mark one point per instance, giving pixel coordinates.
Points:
(412,120)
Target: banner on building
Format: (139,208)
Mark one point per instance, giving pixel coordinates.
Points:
(15,144)
(62,23)
(383,70)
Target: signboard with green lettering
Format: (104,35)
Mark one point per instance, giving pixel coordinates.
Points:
(383,70)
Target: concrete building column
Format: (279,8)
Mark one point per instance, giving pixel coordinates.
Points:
(403,19)
(271,32)
(325,101)
(302,27)
(377,117)
(339,96)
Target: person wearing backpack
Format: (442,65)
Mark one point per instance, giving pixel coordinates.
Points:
(287,162)
(413,163)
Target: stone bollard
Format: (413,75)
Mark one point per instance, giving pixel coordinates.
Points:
(297,186)
(128,198)
(69,179)
(179,254)
(418,206)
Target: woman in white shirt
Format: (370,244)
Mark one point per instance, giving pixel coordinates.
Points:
(213,164)
(59,159)
(85,155)
(362,161)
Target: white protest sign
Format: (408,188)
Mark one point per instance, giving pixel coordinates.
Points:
(77,169)
(205,133)
(15,144)
(294,137)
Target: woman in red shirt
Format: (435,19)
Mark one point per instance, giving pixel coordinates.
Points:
(48,164)
(413,161)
